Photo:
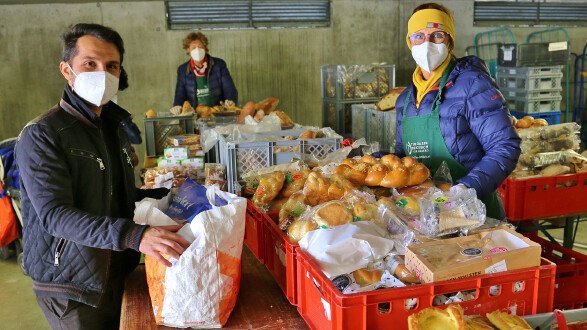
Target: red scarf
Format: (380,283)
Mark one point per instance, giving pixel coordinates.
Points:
(200,72)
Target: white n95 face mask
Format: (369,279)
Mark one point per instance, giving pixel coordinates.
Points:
(429,55)
(96,87)
(198,54)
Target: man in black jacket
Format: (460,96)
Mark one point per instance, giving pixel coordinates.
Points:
(78,191)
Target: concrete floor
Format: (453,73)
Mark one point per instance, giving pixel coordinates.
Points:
(19,309)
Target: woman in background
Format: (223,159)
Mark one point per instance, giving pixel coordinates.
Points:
(454,112)
(203,79)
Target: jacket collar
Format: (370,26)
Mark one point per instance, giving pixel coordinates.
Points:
(188,69)
(76,107)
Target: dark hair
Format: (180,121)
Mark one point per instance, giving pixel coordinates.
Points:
(437,6)
(100,32)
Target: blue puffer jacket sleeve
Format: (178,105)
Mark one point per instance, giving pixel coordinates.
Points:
(180,87)
(228,88)
(491,124)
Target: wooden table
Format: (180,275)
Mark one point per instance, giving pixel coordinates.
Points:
(260,305)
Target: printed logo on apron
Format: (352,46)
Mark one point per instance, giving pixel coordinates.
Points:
(418,150)
(202,92)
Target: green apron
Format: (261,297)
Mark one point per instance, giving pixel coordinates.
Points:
(203,91)
(423,140)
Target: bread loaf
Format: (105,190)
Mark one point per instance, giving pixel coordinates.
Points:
(299,228)
(269,105)
(365,277)
(311,135)
(284,118)
(294,182)
(503,320)
(332,214)
(387,102)
(389,172)
(248,110)
(269,187)
(295,203)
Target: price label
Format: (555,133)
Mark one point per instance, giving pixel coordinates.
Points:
(440,200)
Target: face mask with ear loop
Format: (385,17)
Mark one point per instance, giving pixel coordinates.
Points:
(198,54)
(429,55)
(96,87)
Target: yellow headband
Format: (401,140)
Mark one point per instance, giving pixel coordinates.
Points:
(430,19)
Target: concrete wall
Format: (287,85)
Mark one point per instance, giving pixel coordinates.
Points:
(274,62)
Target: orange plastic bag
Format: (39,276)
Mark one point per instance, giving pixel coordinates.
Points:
(200,289)
(8,224)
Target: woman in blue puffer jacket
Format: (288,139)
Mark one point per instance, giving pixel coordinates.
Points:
(454,112)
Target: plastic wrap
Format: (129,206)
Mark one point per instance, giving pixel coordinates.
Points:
(531,161)
(550,132)
(362,81)
(333,159)
(355,282)
(529,146)
(446,213)
(253,176)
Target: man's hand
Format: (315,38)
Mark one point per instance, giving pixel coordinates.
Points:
(163,239)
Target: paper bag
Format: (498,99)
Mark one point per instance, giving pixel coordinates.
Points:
(200,289)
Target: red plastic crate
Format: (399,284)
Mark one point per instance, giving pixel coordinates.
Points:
(254,230)
(280,257)
(570,289)
(323,306)
(544,197)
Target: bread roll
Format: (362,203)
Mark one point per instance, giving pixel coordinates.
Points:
(269,187)
(358,173)
(297,182)
(295,203)
(369,160)
(391,160)
(376,175)
(203,111)
(332,214)
(365,277)
(366,212)
(299,228)
(539,123)
(248,110)
(398,177)
(277,204)
(316,189)
(451,318)
(151,114)
(444,186)
(417,190)
(503,320)
(418,174)
(525,122)
(408,205)
(349,162)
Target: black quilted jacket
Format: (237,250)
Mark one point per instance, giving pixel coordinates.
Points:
(66,187)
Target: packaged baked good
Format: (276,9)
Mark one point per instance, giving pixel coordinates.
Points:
(332,214)
(215,171)
(443,213)
(221,183)
(268,189)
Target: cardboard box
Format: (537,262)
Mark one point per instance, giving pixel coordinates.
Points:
(497,250)
(185,139)
(176,153)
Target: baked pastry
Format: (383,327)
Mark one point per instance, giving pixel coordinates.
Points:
(269,187)
(365,277)
(477,322)
(366,212)
(151,114)
(248,110)
(505,321)
(277,204)
(259,115)
(311,135)
(417,190)
(284,118)
(269,105)
(451,318)
(294,182)
(332,214)
(186,108)
(295,203)
(408,205)
(387,102)
(316,189)
(525,122)
(539,123)
(203,111)
(389,172)
(299,228)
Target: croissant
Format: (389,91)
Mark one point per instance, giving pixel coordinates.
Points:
(389,172)
(269,187)
(435,318)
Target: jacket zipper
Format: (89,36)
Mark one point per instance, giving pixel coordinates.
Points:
(127,156)
(89,155)
(59,250)
(109,163)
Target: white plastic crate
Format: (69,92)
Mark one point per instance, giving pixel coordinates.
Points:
(535,106)
(535,78)
(357,81)
(241,157)
(539,95)
(531,71)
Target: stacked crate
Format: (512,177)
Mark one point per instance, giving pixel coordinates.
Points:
(343,86)
(374,126)
(532,91)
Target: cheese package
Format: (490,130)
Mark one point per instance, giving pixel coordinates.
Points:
(176,153)
(497,250)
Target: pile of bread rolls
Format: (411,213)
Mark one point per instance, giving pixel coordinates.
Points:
(453,318)
(259,110)
(389,172)
(527,122)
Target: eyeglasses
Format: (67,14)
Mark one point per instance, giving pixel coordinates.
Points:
(436,37)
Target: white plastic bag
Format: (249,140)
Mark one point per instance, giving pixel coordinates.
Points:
(200,289)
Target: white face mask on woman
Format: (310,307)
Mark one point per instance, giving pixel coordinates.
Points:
(429,55)
(198,54)
(96,87)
